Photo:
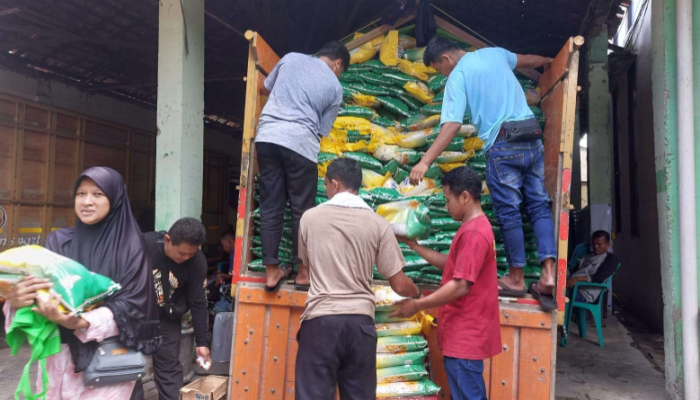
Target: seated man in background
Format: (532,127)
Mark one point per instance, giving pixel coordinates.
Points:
(340,241)
(595,267)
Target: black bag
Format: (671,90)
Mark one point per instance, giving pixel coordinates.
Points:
(173,312)
(114,363)
(522,131)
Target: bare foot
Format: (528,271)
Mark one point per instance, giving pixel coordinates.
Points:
(274,273)
(514,280)
(548,279)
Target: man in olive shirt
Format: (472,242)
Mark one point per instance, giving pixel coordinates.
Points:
(341,240)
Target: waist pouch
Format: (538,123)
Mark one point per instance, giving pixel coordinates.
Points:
(522,131)
(114,363)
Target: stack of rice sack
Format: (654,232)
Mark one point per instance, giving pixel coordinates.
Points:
(402,352)
(390,116)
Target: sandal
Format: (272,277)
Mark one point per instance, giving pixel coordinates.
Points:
(507,291)
(546,300)
(287,272)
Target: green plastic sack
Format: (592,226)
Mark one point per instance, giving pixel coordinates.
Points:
(256,266)
(384,195)
(486,201)
(446,235)
(411,102)
(477,166)
(350,77)
(408,157)
(366,88)
(359,67)
(357,111)
(431,270)
(433,172)
(325,157)
(378,68)
(375,79)
(79,288)
(383,121)
(431,109)
(415,263)
(436,244)
(439,97)
(399,78)
(457,144)
(365,160)
(401,344)
(386,360)
(401,174)
(437,82)
(404,373)
(320,200)
(445,224)
(421,277)
(395,106)
(408,218)
(415,54)
(391,167)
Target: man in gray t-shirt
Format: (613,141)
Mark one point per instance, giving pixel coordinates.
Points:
(305,97)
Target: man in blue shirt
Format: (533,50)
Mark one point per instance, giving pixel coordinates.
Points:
(483,85)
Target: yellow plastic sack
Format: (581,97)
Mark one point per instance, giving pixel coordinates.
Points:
(351,124)
(473,143)
(371,179)
(365,52)
(419,91)
(359,146)
(389,50)
(426,187)
(416,70)
(385,298)
(385,152)
(415,139)
(323,169)
(383,135)
(365,100)
(329,146)
(467,130)
(398,328)
(447,157)
(447,167)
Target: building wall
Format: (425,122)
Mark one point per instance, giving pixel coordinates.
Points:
(638,282)
(60,95)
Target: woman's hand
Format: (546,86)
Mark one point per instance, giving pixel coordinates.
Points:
(48,307)
(24,292)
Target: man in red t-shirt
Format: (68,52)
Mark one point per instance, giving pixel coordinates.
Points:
(468,320)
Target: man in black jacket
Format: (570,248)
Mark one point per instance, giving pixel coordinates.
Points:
(176,254)
(595,267)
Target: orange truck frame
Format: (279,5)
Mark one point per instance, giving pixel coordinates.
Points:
(264,338)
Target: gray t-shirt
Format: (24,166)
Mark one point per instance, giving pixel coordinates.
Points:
(303,105)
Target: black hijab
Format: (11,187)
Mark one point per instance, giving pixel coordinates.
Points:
(114,247)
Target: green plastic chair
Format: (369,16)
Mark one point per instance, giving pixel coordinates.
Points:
(581,307)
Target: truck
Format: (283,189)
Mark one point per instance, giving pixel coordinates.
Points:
(264,334)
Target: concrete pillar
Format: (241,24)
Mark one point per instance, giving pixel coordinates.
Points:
(179,146)
(600,134)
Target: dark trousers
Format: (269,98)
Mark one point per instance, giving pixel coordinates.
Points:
(167,369)
(285,176)
(337,350)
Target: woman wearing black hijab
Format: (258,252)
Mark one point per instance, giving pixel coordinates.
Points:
(106,239)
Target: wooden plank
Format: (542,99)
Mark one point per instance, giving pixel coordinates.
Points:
(248,346)
(502,367)
(453,30)
(552,108)
(376,32)
(534,318)
(257,295)
(278,341)
(487,377)
(292,349)
(264,57)
(535,371)
(437,365)
(560,66)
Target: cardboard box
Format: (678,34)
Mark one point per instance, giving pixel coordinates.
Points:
(205,388)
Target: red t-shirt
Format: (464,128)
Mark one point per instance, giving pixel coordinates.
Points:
(469,327)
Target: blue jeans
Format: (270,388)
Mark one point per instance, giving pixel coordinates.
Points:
(466,378)
(515,176)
